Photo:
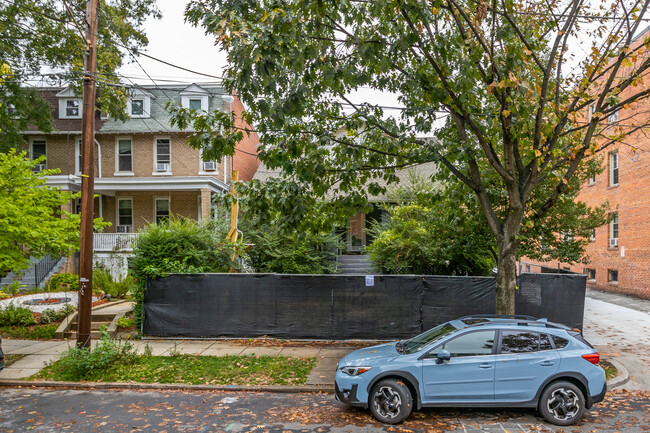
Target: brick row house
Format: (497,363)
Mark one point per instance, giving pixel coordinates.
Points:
(145,171)
(619,252)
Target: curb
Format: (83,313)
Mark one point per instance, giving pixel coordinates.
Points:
(280,389)
(621,379)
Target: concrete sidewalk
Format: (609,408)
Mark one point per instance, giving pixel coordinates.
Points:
(40,353)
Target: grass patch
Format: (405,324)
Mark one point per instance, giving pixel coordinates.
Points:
(610,371)
(10,359)
(196,370)
(33,332)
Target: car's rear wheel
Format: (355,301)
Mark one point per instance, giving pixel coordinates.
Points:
(391,401)
(562,403)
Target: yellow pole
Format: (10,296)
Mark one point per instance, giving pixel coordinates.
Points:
(233,234)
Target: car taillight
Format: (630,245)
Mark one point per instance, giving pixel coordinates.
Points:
(594,358)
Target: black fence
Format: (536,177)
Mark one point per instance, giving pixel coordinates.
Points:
(341,306)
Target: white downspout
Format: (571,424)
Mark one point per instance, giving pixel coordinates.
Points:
(99,157)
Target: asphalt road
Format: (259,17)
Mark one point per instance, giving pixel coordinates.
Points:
(43,410)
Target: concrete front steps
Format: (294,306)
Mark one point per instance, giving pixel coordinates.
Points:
(354,264)
(102,315)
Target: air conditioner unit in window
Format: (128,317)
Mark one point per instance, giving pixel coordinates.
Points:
(162,167)
(209,166)
(38,168)
(613,242)
(123,229)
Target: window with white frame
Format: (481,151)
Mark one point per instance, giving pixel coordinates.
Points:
(78,159)
(592,110)
(124,215)
(137,107)
(162,210)
(592,237)
(163,155)
(39,149)
(613,168)
(613,118)
(70,109)
(592,179)
(613,231)
(208,165)
(194,97)
(124,155)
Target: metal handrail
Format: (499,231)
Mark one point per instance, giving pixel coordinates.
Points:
(43,267)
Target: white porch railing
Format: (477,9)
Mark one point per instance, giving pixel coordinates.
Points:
(114,241)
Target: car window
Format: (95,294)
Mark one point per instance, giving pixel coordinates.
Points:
(560,343)
(545,342)
(471,344)
(519,341)
(430,336)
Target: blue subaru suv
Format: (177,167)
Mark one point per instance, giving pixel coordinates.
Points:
(477,361)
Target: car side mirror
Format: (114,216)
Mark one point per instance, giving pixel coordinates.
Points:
(443,356)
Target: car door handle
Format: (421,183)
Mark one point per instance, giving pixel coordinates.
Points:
(546,363)
(485,365)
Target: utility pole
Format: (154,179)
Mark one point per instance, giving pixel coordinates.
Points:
(87,178)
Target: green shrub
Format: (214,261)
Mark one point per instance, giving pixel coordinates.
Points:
(14,287)
(83,364)
(103,280)
(48,316)
(177,246)
(125,322)
(13,315)
(63,282)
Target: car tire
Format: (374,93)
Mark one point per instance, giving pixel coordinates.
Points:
(562,403)
(391,401)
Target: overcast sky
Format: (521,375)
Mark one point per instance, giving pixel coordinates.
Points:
(173,40)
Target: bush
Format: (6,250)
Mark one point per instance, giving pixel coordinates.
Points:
(83,364)
(64,282)
(177,246)
(125,322)
(48,316)
(51,315)
(12,315)
(103,280)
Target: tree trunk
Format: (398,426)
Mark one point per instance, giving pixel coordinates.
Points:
(506,274)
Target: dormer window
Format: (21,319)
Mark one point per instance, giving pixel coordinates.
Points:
(195,98)
(69,104)
(70,108)
(137,107)
(139,104)
(195,104)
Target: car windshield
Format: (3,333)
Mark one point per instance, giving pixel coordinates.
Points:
(416,343)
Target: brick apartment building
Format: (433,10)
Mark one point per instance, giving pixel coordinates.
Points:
(144,169)
(619,252)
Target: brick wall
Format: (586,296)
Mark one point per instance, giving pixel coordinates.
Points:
(245,159)
(630,198)
(182,203)
(185,161)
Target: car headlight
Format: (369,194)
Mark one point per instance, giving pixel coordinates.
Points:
(355,371)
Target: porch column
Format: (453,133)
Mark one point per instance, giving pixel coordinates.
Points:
(206,203)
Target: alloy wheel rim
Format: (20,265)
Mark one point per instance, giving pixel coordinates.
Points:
(563,404)
(387,402)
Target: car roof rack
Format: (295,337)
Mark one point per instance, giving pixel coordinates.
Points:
(523,323)
(499,316)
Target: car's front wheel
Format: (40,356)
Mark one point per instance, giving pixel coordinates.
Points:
(562,403)
(391,401)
